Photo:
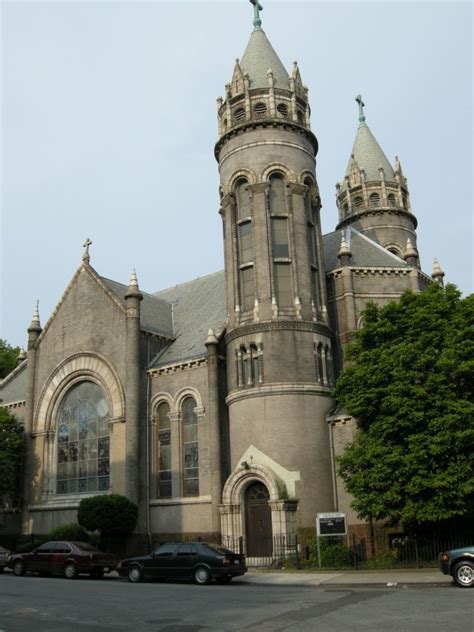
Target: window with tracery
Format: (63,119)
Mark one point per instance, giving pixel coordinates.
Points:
(83,445)
(190,447)
(164,451)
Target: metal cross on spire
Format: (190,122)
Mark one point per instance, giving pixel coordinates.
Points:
(257,7)
(85,254)
(361,109)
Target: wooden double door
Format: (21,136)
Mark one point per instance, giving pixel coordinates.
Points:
(258,521)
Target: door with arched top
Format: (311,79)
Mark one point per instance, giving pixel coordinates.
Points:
(258,521)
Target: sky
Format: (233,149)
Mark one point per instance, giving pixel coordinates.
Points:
(108,123)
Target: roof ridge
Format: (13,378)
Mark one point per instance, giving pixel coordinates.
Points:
(374,243)
(13,372)
(154,296)
(172,287)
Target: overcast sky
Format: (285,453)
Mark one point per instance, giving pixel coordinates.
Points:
(109,120)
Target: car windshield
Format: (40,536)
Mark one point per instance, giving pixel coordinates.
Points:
(83,546)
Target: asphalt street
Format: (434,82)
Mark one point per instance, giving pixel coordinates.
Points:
(42,604)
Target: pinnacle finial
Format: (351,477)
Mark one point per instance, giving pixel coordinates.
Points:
(35,321)
(85,254)
(437,273)
(211,338)
(257,22)
(133,279)
(344,248)
(21,356)
(361,110)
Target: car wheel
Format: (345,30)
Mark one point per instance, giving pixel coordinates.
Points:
(463,574)
(19,568)
(202,575)
(70,570)
(135,574)
(98,573)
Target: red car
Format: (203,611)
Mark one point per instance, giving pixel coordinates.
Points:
(66,558)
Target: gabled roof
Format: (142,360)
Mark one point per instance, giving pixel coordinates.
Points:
(258,58)
(198,306)
(155,313)
(369,156)
(366,253)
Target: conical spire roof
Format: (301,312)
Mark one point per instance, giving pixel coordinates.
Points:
(259,57)
(369,156)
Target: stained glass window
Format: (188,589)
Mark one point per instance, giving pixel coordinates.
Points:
(190,448)
(83,448)
(164,451)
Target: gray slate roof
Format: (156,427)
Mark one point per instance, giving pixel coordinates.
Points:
(155,313)
(198,306)
(369,156)
(258,58)
(365,252)
(13,386)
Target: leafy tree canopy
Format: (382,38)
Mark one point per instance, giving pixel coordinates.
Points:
(11,454)
(410,384)
(8,358)
(111,514)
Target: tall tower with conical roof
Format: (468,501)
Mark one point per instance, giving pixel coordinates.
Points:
(374,196)
(278,341)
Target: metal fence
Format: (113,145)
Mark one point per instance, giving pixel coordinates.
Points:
(386,550)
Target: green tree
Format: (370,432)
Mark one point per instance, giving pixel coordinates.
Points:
(12,447)
(8,358)
(410,384)
(111,514)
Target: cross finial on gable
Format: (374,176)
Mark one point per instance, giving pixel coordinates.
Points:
(85,254)
(361,109)
(257,7)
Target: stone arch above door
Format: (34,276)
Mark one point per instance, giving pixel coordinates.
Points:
(246,474)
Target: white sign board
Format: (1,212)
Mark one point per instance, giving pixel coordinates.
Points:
(328,524)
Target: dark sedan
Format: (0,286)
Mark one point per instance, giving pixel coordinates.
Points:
(186,560)
(66,558)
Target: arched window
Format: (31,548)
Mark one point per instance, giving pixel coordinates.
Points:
(164,451)
(374,199)
(358,201)
(392,200)
(190,448)
(318,360)
(277,195)
(242,198)
(83,451)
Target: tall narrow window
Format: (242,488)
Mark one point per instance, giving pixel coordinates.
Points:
(280,242)
(245,245)
(311,235)
(190,448)
(83,440)
(256,375)
(164,450)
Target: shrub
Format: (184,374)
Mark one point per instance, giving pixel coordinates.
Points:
(69,531)
(333,553)
(110,514)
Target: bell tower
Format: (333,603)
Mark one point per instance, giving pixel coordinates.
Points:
(278,340)
(374,196)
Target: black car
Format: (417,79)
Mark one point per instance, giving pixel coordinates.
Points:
(185,560)
(66,558)
(460,564)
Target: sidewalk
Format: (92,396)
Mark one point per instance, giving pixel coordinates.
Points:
(424,576)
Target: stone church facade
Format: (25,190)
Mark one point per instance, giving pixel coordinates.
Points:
(209,404)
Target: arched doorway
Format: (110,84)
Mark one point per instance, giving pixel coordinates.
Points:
(258,521)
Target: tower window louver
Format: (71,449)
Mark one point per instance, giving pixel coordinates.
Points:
(282,109)
(260,110)
(239,114)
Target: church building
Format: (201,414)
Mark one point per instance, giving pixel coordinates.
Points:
(209,404)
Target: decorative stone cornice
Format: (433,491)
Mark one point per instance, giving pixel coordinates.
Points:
(176,368)
(267,390)
(370,272)
(350,219)
(299,189)
(266,123)
(260,187)
(277,325)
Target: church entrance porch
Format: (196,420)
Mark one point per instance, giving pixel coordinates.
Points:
(255,520)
